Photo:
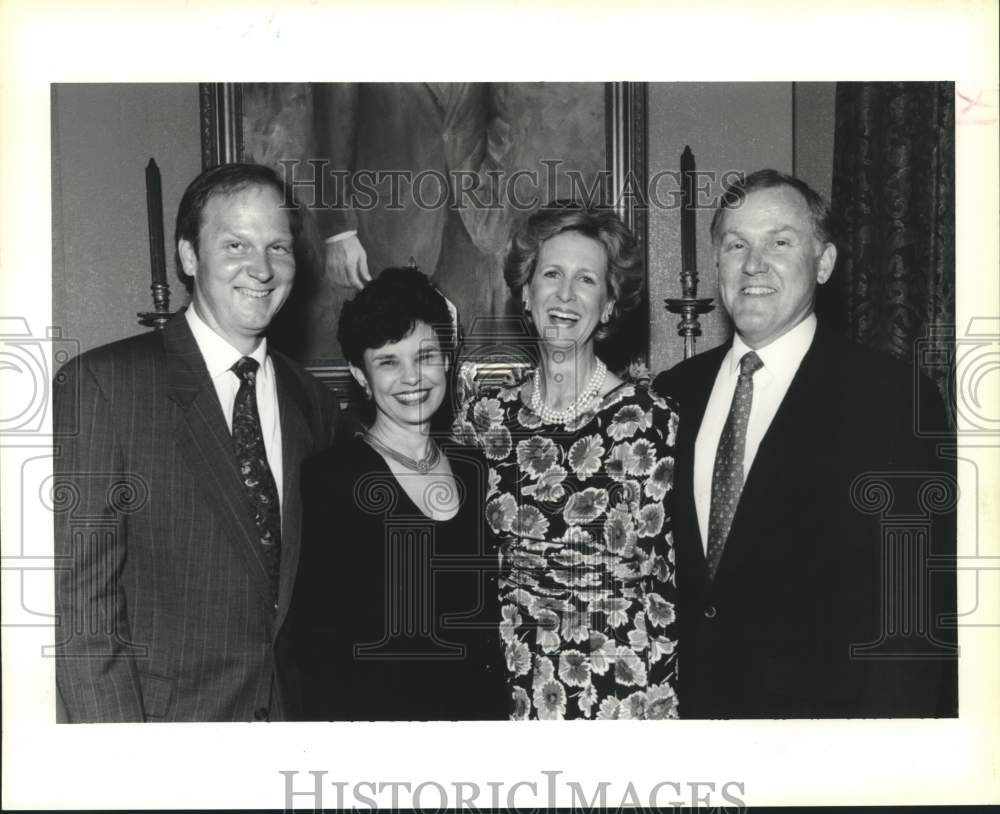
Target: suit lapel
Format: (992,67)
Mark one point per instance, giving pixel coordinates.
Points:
(206,445)
(797,418)
(295,446)
(694,400)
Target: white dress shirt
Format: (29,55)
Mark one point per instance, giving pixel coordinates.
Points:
(781,359)
(219,357)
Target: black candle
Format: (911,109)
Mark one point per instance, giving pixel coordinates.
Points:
(689,254)
(154,210)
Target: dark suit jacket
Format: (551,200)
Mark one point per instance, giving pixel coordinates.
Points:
(164,610)
(395,616)
(835,517)
(412,128)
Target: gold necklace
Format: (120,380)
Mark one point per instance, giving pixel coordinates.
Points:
(423,465)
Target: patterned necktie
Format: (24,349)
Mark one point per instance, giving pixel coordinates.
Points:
(727,476)
(251,459)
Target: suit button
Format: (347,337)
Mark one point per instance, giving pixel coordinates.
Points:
(710,611)
(260,714)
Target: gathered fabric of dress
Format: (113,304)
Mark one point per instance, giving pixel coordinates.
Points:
(586,585)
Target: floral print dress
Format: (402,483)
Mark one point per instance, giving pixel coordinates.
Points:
(587,583)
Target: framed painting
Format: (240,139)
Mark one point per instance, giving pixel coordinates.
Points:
(435,175)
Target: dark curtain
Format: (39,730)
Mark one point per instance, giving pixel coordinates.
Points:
(894,202)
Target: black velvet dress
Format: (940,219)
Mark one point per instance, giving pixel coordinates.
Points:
(394,616)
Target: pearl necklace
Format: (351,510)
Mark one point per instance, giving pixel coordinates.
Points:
(423,465)
(550,416)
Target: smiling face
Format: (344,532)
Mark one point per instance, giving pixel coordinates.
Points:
(407,378)
(769,263)
(245,265)
(568,293)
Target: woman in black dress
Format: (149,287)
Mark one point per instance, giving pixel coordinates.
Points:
(395,613)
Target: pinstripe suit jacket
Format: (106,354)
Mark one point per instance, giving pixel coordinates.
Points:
(164,610)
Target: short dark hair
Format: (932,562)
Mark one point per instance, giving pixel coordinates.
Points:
(388,308)
(626,281)
(736,193)
(224,179)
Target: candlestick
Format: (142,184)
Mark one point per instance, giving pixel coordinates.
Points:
(689,222)
(154,211)
(688,305)
(157,260)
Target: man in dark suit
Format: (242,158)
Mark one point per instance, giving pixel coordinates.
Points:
(406,150)
(177,461)
(813,524)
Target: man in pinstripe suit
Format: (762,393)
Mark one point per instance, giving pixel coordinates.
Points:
(171,591)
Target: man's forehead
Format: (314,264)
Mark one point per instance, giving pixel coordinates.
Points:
(233,202)
(775,207)
(226,198)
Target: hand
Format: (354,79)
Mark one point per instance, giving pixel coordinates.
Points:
(347,263)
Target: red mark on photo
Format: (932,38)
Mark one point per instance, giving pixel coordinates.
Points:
(977,106)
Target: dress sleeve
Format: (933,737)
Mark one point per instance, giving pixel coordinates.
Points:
(655,546)
(463,430)
(325,565)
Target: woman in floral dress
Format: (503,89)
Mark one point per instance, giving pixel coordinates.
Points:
(580,473)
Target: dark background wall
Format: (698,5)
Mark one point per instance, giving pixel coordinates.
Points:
(102,137)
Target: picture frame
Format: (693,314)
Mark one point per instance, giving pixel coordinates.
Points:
(228,110)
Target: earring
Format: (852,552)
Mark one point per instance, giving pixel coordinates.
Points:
(367,392)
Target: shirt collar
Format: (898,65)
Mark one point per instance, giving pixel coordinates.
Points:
(218,354)
(781,357)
